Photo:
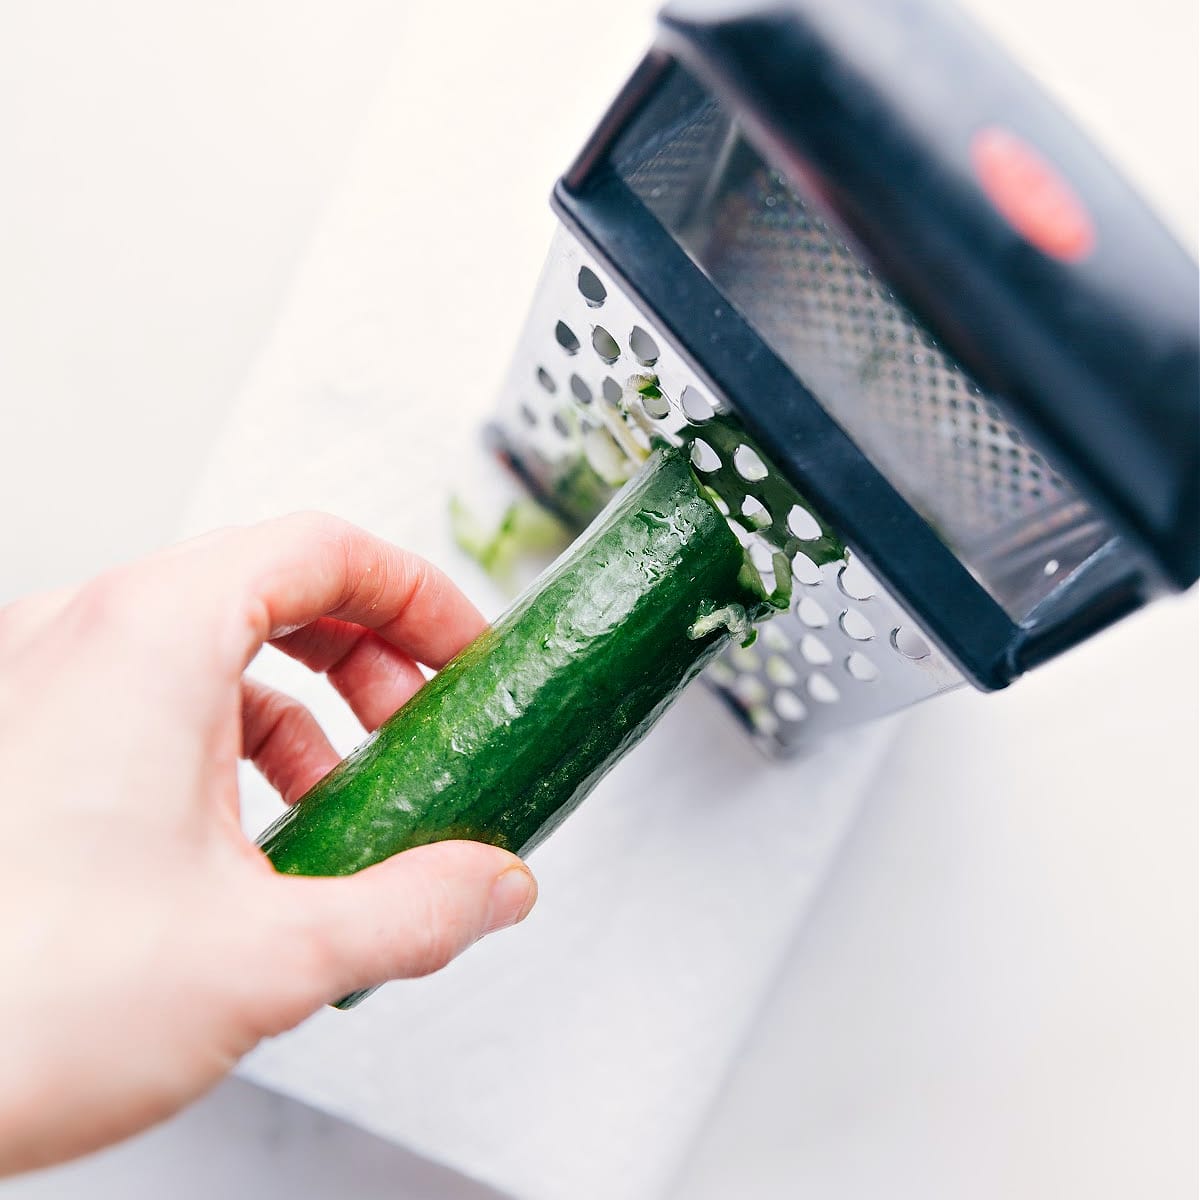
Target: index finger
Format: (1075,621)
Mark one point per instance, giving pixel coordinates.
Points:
(322,566)
(285,573)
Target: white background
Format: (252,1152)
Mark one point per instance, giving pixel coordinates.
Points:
(997,994)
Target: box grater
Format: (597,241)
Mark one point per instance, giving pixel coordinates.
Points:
(916,333)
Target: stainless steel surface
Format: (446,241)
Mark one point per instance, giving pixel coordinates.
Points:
(592,381)
(912,409)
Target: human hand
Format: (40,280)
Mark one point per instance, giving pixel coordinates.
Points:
(146,943)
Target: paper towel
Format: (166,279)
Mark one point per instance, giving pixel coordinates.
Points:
(576,1056)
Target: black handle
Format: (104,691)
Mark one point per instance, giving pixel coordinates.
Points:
(1002,227)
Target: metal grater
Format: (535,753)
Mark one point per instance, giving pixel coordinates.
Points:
(913,330)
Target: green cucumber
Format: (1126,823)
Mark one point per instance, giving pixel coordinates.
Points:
(505,741)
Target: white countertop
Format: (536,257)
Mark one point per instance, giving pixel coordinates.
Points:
(996,995)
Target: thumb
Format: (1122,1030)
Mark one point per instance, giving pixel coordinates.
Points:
(408,916)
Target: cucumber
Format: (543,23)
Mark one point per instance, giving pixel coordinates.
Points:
(506,740)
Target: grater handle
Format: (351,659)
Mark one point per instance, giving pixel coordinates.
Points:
(1012,238)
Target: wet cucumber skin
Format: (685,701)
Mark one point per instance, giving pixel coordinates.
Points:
(506,740)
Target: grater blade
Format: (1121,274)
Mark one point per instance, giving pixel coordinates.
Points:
(592,382)
(916,413)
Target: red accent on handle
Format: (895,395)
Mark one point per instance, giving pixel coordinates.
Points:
(1031,195)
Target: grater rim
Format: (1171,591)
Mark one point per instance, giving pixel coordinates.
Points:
(722,349)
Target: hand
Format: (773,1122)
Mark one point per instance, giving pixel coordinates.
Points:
(145,943)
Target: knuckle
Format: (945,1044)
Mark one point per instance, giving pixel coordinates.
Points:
(283,717)
(321,954)
(420,589)
(306,946)
(256,621)
(288,733)
(436,930)
(442,920)
(106,604)
(376,582)
(427,581)
(313,524)
(314,519)
(432,942)
(339,540)
(277,723)
(310,532)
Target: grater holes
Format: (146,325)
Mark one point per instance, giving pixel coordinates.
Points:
(745,537)
(811,613)
(745,658)
(759,552)
(763,720)
(855,581)
(756,513)
(748,465)
(909,643)
(528,415)
(605,345)
(590,287)
(656,406)
(564,335)
(822,689)
(762,557)
(805,570)
(815,651)
(580,390)
(546,380)
(789,706)
(561,424)
(617,408)
(774,637)
(721,673)
(695,405)
(856,626)
(780,671)
(704,457)
(860,667)
(643,347)
(749,689)
(862,352)
(803,524)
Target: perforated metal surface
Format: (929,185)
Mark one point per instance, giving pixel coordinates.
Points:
(591,382)
(911,408)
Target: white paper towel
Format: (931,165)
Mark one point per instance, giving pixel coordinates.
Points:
(574,1057)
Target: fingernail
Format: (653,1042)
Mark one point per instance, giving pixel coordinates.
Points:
(513,894)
